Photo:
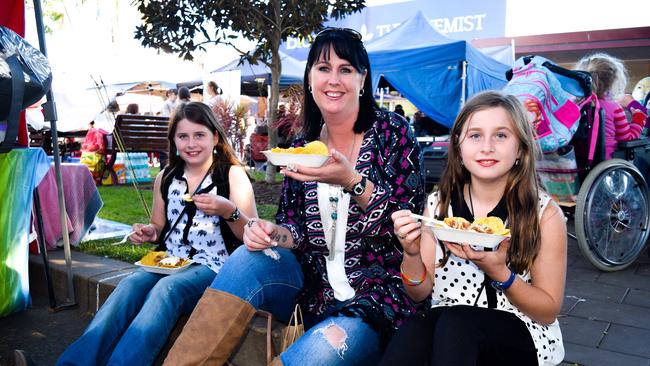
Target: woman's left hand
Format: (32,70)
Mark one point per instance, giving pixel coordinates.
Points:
(213,205)
(337,170)
(492,263)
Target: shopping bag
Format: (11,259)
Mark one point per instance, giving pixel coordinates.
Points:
(294,330)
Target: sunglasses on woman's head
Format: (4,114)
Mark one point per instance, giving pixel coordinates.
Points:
(356,35)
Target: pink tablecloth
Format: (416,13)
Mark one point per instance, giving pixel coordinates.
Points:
(82,203)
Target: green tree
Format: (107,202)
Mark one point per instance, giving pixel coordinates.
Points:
(183,26)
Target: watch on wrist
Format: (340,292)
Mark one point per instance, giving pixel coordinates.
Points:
(502,286)
(358,188)
(234,216)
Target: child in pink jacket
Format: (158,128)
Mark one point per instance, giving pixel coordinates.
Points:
(609,78)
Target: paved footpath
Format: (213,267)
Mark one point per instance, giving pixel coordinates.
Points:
(605,317)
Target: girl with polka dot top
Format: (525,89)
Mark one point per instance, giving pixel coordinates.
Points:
(491,307)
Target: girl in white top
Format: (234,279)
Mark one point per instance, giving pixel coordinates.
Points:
(202,200)
(491,307)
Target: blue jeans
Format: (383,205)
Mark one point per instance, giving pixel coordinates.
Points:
(133,325)
(272,285)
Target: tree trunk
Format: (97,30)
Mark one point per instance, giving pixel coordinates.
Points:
(274,98)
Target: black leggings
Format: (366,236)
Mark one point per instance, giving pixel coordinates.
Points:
(461,335)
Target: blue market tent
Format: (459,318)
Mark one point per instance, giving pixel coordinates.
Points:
(432,71)
(254,76)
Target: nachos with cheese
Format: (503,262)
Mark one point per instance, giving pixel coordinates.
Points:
(314,148)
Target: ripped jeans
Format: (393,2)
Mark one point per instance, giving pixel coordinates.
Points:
(272,284)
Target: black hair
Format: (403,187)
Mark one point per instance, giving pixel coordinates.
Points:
(351,49)
(184,93)
(113,106)
(214,87)
(132,108)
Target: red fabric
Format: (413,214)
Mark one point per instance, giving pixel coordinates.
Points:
(13,17)
(23,138)
(259,143)
(94,141)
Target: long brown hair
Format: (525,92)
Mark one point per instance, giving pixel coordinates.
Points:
(521,189)
(223,155)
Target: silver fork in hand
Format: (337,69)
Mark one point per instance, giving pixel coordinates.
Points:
(124,239)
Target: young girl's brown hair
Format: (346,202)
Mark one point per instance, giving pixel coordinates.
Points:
(223,155)
(521,189)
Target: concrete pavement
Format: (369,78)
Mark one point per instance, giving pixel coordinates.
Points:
(606,316)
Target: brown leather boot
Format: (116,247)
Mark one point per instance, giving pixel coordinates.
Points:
(215,328)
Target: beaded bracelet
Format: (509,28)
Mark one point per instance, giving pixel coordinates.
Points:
(409,281)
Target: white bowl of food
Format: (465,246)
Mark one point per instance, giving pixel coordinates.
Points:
(486,232)
(313,155)
(467,237)
(308,160)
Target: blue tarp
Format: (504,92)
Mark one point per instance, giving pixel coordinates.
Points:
(426,67)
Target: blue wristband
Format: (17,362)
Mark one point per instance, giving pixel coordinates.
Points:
(502,286)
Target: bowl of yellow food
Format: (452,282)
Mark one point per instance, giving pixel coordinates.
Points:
(163,263)
(313,155)
(486,232)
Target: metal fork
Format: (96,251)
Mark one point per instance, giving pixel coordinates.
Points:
(124,239)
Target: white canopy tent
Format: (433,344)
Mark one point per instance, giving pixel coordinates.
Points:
(85,79)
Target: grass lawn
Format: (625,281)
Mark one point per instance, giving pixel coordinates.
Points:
(267,212)
(259,176)
(123,204)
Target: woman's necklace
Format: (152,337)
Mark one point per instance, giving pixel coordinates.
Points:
(335,196)
(336,191)
(354,144)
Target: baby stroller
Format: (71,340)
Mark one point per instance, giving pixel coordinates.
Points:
(609,200)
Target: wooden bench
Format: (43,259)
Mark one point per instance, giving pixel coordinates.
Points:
(137,133)
(142,133)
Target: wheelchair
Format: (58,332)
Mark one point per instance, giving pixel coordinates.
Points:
(611,210)
(612,213)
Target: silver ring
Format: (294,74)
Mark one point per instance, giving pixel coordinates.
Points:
(251,222)
(292,168)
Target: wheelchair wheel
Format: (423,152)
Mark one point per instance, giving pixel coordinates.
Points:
(612,215)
